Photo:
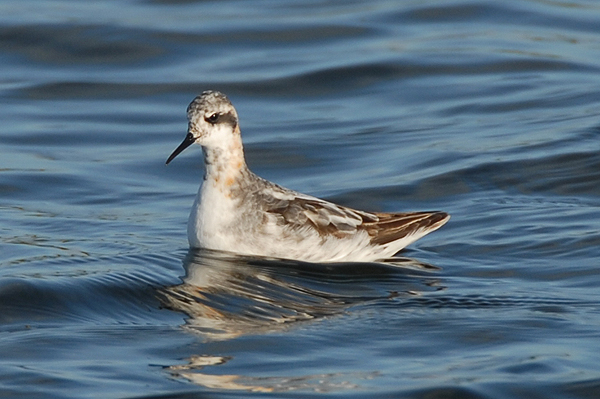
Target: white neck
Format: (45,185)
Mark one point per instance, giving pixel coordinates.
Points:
(224,162)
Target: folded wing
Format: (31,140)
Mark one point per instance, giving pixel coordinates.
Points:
(329,219)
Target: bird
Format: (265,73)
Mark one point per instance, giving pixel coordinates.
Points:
(239,212)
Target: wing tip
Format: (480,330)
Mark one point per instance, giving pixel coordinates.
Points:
(425,223)
(439,218)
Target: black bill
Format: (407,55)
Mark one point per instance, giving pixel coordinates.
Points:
(188,141)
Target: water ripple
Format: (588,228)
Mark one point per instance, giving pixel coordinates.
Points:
(488,111)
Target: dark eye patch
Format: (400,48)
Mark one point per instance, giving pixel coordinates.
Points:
(227,118)
(214,118)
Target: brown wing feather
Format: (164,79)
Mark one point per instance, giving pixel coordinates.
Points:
(324,217)
(394,226)
(329,219)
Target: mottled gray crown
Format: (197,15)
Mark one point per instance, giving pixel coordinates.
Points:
(208,102)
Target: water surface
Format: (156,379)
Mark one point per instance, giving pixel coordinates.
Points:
(487,111)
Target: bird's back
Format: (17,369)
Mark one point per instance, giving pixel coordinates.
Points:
(273,221)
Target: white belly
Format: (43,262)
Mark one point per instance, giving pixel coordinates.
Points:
(217,222)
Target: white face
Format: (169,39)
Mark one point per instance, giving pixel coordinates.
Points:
(210,115)
(211,121)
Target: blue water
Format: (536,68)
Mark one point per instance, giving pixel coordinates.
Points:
(487,110)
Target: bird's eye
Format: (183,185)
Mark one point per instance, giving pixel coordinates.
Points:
(212,119)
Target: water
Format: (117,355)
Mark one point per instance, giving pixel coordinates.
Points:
(486,110)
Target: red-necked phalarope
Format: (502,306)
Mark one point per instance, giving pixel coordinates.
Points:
(238,211)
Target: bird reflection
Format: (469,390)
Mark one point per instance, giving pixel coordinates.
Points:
(226,296)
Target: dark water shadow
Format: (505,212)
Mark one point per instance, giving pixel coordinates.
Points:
(227,297)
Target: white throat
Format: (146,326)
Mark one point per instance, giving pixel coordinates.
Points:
(224,159)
